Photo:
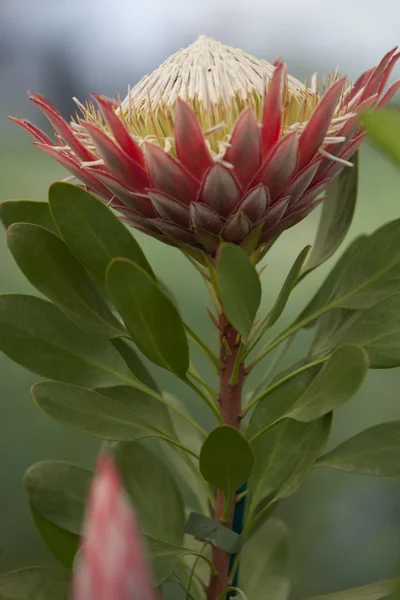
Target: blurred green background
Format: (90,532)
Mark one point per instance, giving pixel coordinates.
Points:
(344,528)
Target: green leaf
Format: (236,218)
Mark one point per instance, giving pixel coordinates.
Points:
(313,441)
(119,413)
(62,543)
(136,366)
(37,335)
(324,293)
(49,265)
(27,211)
(164,558)
(263,563)
(340,378)
(284,457)
(153,491)
(58,491)
(384,127)
(184,465)
(226,460)
(374,451)
(378,331)
(152,320)
(288,286)
(373,271)
(91,230)
(331,328)
(373,591)
(35,583)
(279,401)
(240,288)
(336,216)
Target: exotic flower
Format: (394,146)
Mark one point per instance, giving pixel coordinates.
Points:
(216,144)
(111,563)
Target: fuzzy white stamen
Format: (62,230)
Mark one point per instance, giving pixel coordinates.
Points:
(209,71)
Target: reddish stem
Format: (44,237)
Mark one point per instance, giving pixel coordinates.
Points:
(230,402)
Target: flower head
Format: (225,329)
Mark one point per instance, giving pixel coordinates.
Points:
(216,144)
(111,563)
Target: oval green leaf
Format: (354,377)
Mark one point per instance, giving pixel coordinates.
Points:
(284,457)
(62,543)
(149,315)
(339,379)
(336,216)
(374,451)
(37,334)
(331,328)
(164,558)
(153,491)
(384,127)
(226,460)
(324,293)
(288,286)
(264,562)
(50,267)
(378,331)
(92,232)
(274,404)
(27,211)
(136,366)
(35,583)
(240,288)
(58,491)
(373,271)
(120,413)
(184,465)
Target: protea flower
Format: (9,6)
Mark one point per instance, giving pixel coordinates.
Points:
(111,563)
(216,144)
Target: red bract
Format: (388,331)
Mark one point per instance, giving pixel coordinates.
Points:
(216,145)
(111,563)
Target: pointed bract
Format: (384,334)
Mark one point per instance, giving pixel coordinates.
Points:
(204,217)
(271,123)
(220,190)
(255,203)
(237,228)
(168,176)
(244,152)
(62,127)
(132,174)
(191,148)
(119,130)
(317,127)
(170,209)
(281,164)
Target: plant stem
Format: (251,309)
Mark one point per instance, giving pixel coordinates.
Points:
(231,379)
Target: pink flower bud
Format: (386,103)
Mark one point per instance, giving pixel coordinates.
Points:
(111,563)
